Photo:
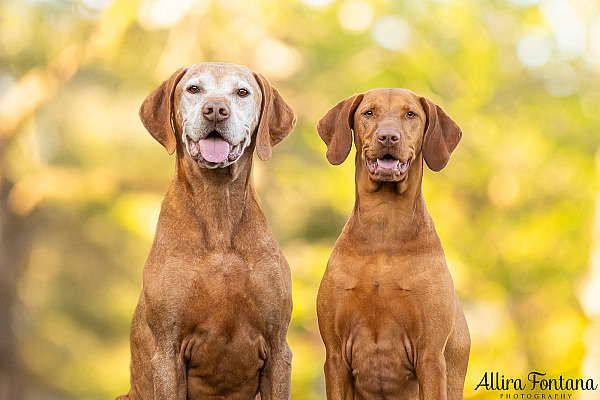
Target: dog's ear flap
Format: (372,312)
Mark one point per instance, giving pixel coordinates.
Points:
(441,135)
(335,128)
(156,112)
(277,119)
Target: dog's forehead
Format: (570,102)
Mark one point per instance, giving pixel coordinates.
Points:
(220,75)
(392,98)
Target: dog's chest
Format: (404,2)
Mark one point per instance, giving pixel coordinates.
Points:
(397,289)
(219,288)
(379,276)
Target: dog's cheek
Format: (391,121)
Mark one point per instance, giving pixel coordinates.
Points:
(361,124)
(417,136)
(252,117)
(247,122)
(256,116)
(366,131)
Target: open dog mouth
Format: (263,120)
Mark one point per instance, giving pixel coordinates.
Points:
(388,165)
(213,151)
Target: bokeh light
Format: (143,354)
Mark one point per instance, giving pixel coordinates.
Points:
(534,50)
(391,32)
(356,15)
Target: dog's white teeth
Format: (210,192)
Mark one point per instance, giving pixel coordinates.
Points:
(235,152)
(371,165)
(193,148)
(404,166)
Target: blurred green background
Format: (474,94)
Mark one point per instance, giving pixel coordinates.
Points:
(81,181)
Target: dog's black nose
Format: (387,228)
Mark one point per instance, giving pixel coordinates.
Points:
(388,136)
(215,110)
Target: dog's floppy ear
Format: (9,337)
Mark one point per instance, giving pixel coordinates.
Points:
(156,112)
(335,128)
(277,119)
(442,135)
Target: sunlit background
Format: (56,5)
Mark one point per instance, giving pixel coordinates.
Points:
(81,181)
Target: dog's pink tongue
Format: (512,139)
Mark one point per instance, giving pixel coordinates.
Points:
(387,163)
(214,149)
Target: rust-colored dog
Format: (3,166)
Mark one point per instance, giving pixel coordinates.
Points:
(213,314)
(392,325)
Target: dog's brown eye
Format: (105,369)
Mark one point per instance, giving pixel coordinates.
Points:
(243,92)
(193,89)
(368,113)
(411,114)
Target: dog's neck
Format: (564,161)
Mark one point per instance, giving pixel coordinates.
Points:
(217,199)
(390,213)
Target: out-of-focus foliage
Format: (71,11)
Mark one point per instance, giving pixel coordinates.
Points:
(513,207)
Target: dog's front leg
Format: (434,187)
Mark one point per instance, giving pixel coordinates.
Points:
(338,379)
(275,376)
(431,375)
(168,372)
(168,368)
